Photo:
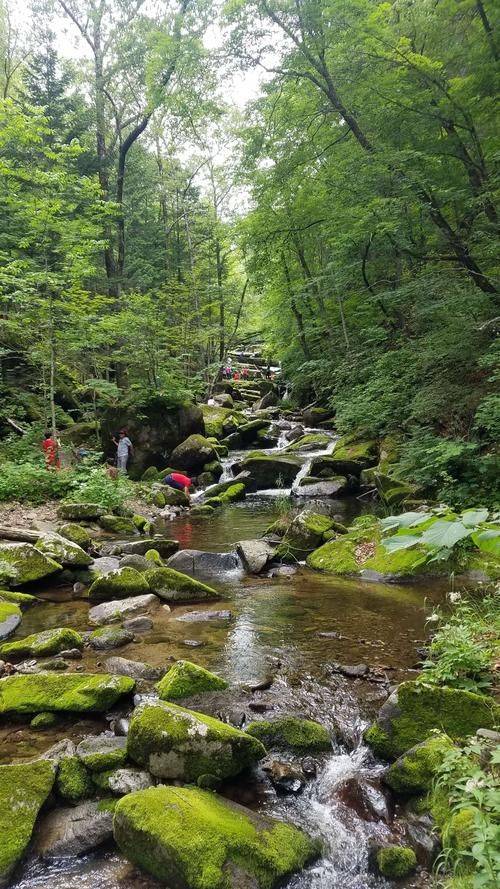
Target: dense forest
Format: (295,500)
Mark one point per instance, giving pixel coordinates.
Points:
(347,218)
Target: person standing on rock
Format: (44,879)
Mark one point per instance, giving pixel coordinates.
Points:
(124,450)
(179,482)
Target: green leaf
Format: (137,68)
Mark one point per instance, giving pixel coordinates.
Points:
(405,520)
(444,535)
(487,541)
(474,517)
(399,541)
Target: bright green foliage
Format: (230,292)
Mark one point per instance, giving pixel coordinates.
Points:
(185,679)
(23,791)
(95,486)
(395,862)
(291,732)
(42,644)
(71,693)
(73,781)
(32,483)
(209,842)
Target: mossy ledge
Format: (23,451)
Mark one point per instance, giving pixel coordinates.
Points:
(42,644)
(68,693)
(23,791)
(290,732)
(207,842)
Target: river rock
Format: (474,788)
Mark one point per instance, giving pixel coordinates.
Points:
(255,554)
(61,692)
(122,781)
(270,471)
(416,709)
(202,616)
(23,791)
(414,771)
(163,545)
(294,433)
(206,840)
(193,453)
(10,618)
(303,535)
(63,551)
(76,534)
(173,586)
(43,644)
(185,679)
(104,566)
(196,562)
(108,612)
(349,457)
(290,732)
(311,441)
(134,560)
(25,564)
(366,797)
(79,512)
(106,638)
(59,751)
(423,840)
(339,486)
(286,777)
(134,669)
(70,831)
(102,752)
(119,584)
(174,743)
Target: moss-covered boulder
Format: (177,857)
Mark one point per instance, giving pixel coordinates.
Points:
(65,693)
(185,679)
(80,512)
(76,534)
(207,842)
(215,468)
(220,421)
(312,441)
(119,585)
(414,771)
(73,782)
(158,499)
(14,597)
(102,752)
(107,638)
(174,743)
(351,456)
(173,497)
(42,644)
(23,791)
(43,720)
(233,493)
(10,618)
(116,524)
(304,535)
(268,471)
(26,564)
(193,453)
(290,732)
(63,551)
(173,586)
(416,709)
(396,862)
(203,509)
(151,474)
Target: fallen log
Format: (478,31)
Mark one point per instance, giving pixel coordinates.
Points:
(24,534)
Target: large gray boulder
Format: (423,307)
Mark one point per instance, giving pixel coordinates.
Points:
(107,612)
(269,471)
(193,453)
(198,563)
(163,545)
(134,669)
(255,554)
(10,618)
(67,832)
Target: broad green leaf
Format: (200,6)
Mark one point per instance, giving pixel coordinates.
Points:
(402,541)
(444,535)
(473,517)
(405,520)
(487,541)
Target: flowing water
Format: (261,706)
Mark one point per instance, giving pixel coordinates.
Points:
(290,630)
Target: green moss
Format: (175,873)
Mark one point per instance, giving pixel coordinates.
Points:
(107,805)
(215,418)
(24,600)
(117,525)
(43,720)
(158,499)
(203,509)
(414,771)
(23,791)
(63,551)
(76,534)
(139,521)
(402,563)
(335,557)
(73,782)
(151,474)
(234,493)
(80,511)
(153,556)
(118,585)
(395,862)
(106,638)
(42,644)
(361,452)
(109,753)
(214,502)
(312,441)
(28,564)
(172,742)
(173,586)
(417,709)
(10,618)
(207,842)
(185,679)
(459,831)
(291,732)
(73,692)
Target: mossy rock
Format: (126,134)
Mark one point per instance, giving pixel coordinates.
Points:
(151,474)
(10,618)
(68,693)
(158,499)
(312,441)
(140,522)
(153,557)
(206,841)
(203,509)
(214,502)
(174,497)
(23,791)
(268,471)
(23,600)
(173,586)
(414,771)
(120,584)
(116,524)
(193,453)
(99,753)
(352,456)
(290,732)
(76,534)
(43,720)
(174,743)
(73,781)
(205,479)
(215,417)
(185,679)
(303,535)
(396,862)
(107,638)
(215,468)
(42,644)
(233,493)
(459,830)
(337,556)
(80,512)
(416,709)
(63,551)
(26,563)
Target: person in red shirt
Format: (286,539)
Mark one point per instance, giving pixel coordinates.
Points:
(51,451)
(179,482)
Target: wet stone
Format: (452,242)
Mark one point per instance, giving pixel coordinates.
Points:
(352,672)
(74,830)
(201,616)
(134,669)
(139,624)
(285,777)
